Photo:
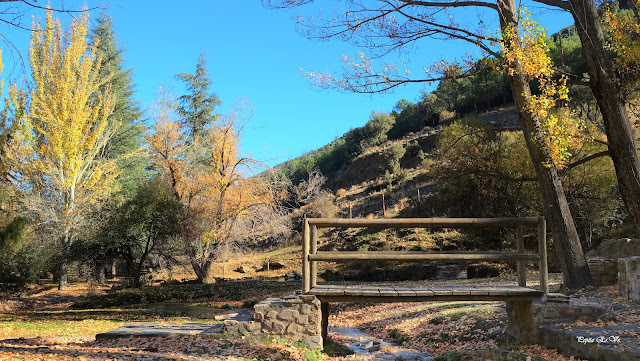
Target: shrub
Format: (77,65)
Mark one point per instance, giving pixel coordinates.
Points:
(21,266)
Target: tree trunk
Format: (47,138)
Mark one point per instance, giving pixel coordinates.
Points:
(203,271)
(99,273)
(604,85)
(556,208)
(113,272)
(62,275)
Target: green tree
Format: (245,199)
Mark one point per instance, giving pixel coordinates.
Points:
(127,139)
(144,226)
(196,108)
(391,167)
(375,131)
(408,119)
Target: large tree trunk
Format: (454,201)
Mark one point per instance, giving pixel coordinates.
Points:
(203,271)
(565,236)
(62,274)
(604,85)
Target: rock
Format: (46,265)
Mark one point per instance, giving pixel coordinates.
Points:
(288,315)
(293,329)
(276,265)
(278,327)
(377,346)
(451,271)
(629,277)
(226,316)
(555,298)
(293,275)
(366,345)
(243,269)
(616,248)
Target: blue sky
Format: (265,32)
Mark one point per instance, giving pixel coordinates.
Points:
(255,54)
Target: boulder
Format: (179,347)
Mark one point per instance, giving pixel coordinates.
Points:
(616,248)
(243,269)
(275,265)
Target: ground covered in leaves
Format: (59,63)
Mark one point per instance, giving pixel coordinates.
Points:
(41,325)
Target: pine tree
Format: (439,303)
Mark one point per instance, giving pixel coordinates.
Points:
(128,137)
(196,108)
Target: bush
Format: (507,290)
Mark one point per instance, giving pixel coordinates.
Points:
(21,266)
(21,261)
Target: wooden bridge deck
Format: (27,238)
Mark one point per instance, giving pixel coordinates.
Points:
(364,293)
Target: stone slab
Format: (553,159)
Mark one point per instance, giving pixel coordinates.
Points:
(160,329)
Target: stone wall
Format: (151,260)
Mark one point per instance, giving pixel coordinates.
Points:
(604,271)
(295,318)
(570,310)
(525,318)
(629,277)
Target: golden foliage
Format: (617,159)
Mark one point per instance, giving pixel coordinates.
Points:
(61,121)
(562,131)
(205,176)
(624,40)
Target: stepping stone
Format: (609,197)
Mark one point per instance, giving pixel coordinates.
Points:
(160,329)
(236,314)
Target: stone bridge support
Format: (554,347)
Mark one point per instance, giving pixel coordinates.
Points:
(295,318)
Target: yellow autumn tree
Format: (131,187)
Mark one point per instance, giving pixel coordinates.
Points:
(205,175)
(561,132)
(623,29)
(61,129)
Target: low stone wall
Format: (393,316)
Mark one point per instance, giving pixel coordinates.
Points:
(629,277)
(570,311)
(294,317)
(604,271)
(525,318)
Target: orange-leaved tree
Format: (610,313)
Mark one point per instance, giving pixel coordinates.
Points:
(61,128)
(205,173)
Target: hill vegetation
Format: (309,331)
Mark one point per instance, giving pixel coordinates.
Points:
(459,152)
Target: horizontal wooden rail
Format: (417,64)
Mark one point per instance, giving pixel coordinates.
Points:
(423,222)
(421,256)
(311,255)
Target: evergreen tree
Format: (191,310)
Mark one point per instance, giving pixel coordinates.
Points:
(196,108)
(128,137)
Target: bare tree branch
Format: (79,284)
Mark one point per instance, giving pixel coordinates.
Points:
(586,159)
(453,4)
(557,3)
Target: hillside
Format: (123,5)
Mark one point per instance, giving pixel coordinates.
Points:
(359,186)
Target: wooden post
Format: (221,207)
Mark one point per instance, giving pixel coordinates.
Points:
(522,268)
(306,279)
(542,249)
(324,323)
(350,210)
(314,249)
(418,195)
(384,208)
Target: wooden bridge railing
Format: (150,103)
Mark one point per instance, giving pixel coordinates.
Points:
(311,255)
